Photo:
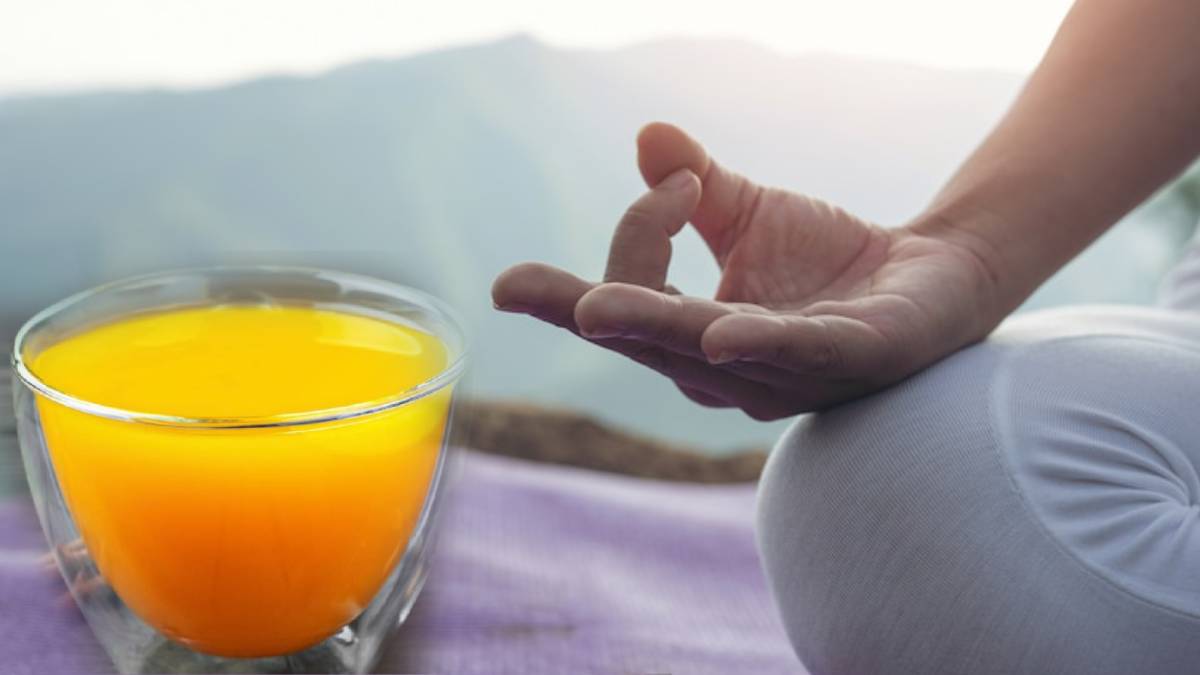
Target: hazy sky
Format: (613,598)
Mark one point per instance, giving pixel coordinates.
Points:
(50,44)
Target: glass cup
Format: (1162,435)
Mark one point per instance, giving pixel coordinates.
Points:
(295,543)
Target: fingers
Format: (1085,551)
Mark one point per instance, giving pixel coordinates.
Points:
(703,398)
(641,245)
(542,291)
(664,149)
(550,294)
(727,199)
(831,347)
(675,322)
(769,365)
(603,311)
(702,382)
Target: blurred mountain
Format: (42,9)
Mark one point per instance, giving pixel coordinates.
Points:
(442,169)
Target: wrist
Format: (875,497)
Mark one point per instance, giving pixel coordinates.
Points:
(1001,282)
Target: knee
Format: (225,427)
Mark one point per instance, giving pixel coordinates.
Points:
(866,510)
(909,532)
(1099,439)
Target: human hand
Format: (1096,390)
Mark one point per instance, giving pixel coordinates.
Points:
(815,306)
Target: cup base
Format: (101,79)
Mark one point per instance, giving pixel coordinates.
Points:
(136,648)
(354,649)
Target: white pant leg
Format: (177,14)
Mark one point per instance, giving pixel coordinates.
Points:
(1028,505)
(1181,288)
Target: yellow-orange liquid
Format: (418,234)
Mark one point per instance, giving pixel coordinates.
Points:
(245,542)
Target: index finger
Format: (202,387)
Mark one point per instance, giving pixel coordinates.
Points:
(641,245)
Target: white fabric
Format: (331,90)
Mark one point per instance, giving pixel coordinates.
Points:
(1109,468)
(1181,288)
(1029,504)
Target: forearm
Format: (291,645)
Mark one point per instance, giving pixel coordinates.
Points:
(1111,114)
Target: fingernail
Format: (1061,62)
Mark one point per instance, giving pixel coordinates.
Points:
(722,357)
(678,180)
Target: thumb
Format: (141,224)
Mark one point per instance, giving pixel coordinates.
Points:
(727,199)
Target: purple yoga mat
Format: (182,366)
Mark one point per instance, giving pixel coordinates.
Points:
(539,569)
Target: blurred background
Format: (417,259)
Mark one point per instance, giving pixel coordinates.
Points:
(436,144)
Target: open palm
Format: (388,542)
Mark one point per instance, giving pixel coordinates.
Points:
(814,307)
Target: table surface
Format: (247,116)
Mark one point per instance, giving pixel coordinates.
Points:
(538,568)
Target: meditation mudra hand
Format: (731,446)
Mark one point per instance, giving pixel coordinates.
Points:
(1025,504)
(815,306)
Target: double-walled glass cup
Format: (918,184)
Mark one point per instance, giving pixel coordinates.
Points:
(294,543)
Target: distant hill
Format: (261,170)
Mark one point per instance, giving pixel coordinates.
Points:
(441,169)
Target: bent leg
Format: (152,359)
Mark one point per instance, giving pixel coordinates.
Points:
(1026,505)
(1180,289)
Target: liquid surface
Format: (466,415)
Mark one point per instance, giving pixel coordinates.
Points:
(241,361)
(245,542)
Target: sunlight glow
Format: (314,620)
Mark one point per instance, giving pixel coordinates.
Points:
(52,44)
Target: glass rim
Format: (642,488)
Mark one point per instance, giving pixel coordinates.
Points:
(447,375)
